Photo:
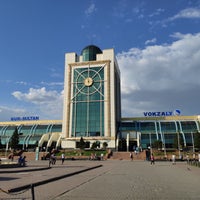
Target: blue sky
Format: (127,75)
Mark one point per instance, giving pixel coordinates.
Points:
(157,45)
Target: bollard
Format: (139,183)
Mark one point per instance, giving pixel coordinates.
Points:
(32,192)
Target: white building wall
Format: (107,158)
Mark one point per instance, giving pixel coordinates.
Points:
(69,58)
(108,54)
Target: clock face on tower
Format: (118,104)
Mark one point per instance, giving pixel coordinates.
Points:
(89,80)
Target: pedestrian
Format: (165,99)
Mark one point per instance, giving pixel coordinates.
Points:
(63,157)
(53,159)
(23,161)
(12,157)
(101,156)
(199,157)
(173,159)
(20,160)
(194,156)
(187,158)
(131,156)
(152,159)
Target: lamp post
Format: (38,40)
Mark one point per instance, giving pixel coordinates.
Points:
(179,152)
(192,142)
(164,147)
(7,145)
(150,142)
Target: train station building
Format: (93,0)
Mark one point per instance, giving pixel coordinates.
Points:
(92,110)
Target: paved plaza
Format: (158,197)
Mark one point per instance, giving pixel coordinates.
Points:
(109,180)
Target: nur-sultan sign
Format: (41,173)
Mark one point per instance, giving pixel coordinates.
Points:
(26,118)
(162,113)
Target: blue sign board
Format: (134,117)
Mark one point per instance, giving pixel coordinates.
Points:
(27,118)
(162,114)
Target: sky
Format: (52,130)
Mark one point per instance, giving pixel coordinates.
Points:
(156,43)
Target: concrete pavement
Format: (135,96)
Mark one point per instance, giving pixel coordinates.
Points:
(140,180)
(115,179)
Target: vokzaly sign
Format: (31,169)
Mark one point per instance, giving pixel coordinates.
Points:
(162,113)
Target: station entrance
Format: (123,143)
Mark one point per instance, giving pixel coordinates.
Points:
(123,146)
(132,145)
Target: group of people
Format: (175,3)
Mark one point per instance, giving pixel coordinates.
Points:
(53,159)
(22,161)
(95,157)
(151,158)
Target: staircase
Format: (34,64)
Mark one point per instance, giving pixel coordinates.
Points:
(126,156)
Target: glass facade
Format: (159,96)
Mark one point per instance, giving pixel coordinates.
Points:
(89,52)
(28,134)
(148,131)
(166,131)
(168,127)
(6,133)
(147,127)
(127,126)
(188,125)
(88,101)
(148,139)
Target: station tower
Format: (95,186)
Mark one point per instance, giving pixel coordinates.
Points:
(92,98)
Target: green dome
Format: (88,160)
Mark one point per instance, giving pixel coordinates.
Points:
(89,52)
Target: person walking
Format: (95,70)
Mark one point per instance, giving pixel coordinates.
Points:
(53,159)
(173,159)
(131,156)
(62,158)
(152,159)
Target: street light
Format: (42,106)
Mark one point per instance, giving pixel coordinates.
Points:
(164,145)
(150,142)
(179,152)
(7,145)
(192,142)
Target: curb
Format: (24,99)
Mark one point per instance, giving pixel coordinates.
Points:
(24,170)
(17,189)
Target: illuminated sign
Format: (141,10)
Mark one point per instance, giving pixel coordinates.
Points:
(162,114)
(27,118)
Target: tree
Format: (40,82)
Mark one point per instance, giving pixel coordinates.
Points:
(105,144)
(14,139)
(81,144)
(157,144)
(95,145)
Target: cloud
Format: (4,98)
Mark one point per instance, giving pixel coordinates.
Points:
(151,41)
(122,10)
(54,73)
(36,96)
(87,20)
(52,83)
(189,13)
(47,103)
(91,9)
(161,77)
(21,83)
(157,12)
(7,112)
